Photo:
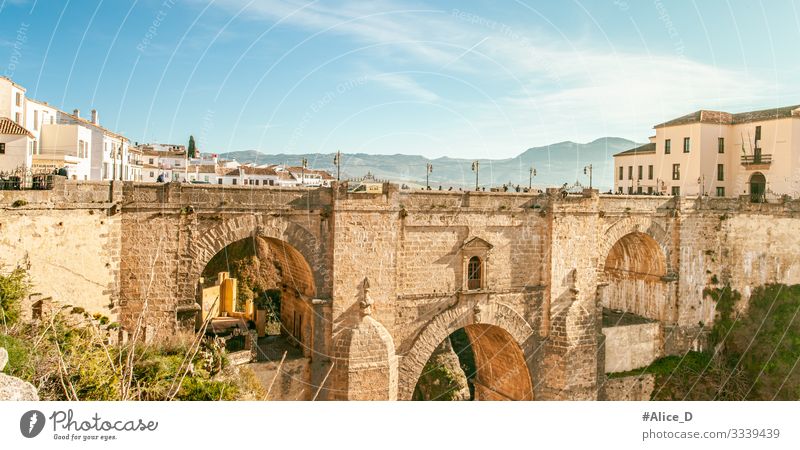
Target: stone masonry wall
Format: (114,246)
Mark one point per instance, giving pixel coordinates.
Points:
(69,241)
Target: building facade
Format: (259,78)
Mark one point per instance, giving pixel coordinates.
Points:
(714,153)
(58,140)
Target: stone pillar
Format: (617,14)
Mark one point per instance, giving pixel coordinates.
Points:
(365,363)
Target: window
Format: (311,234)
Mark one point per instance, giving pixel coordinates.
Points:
(720,191)
(234,181)
(686,145)
(18,119)
(676,190)
(676,171)
(2,148)
(152,174)
(256,182)
(630,190)
(721,145)
(630,172)
(151,161)
(720,172)
(19,99)
(639,190)
(667,146)
(650,172)
(640,173)
(650,190)
(474,273)
(36,119)
(219,181)
(621,172)
(758,134)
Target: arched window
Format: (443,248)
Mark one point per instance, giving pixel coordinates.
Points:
(474,275)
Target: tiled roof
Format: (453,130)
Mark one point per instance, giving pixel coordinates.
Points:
(8,126)
(202,168)
(724,118)
(641,150)
(249,170)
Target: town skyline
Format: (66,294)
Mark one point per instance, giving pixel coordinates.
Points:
(400,77)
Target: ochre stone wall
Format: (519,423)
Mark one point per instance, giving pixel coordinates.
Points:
(69,240)
(141,248)
(630,347)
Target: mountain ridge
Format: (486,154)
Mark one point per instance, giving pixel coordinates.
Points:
(555,164)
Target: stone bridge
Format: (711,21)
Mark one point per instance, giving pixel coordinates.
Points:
(389,276)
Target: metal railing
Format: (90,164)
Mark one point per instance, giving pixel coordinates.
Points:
(758,158)
(23,179)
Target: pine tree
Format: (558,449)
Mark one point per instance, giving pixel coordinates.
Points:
(192,148)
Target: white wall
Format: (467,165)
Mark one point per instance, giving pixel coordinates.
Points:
(17,152)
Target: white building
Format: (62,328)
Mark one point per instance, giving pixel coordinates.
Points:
(164,162)
(109,150)
(16,146)
(715,153)
(59,140)
(65,146)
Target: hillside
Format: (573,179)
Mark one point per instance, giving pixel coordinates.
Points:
(555,164)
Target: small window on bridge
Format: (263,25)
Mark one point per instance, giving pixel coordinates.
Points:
(474,278)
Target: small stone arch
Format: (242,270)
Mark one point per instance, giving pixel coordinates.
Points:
(633,265)
(460,316)
(626,226)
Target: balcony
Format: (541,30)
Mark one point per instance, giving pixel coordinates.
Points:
(757,159)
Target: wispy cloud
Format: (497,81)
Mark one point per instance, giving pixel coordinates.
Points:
(549,88)
(405,85)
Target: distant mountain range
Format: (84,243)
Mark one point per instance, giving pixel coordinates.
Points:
(555,165)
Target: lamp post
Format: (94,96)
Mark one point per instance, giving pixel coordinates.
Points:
(588,170)
(476,168)
(337,160)
(428,170)
(532,172)
(701,182)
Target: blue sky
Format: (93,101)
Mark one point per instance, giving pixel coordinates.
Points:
(460,79)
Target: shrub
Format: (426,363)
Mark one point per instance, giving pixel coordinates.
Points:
(14,287)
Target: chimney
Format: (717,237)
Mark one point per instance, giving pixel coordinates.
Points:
(94,117)
(76,112)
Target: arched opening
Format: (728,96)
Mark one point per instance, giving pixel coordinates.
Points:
(263,284)
(758,187)
(635,271)
(476,362)
(474,273)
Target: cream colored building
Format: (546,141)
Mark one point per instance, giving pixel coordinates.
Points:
(58,140)
(716,153)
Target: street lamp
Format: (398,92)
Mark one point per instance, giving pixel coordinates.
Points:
(530,178)
(337,160)
(476,168)
(588,170)
(701,182)
(428,170)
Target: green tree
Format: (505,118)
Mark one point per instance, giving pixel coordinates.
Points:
(192,148)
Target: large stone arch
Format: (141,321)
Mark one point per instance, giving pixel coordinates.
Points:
(239,227)
(460,316)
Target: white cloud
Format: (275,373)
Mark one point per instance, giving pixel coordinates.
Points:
(551,89)
(405,85)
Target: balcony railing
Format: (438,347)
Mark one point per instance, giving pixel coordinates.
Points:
(758,158)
